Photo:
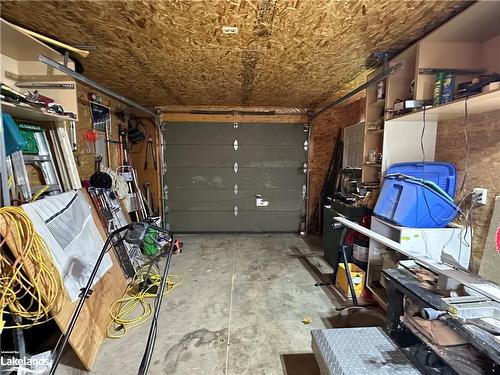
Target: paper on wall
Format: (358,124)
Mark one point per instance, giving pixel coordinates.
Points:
(65,223)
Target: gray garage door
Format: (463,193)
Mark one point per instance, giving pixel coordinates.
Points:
(235,177)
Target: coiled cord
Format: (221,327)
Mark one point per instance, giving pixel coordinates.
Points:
(30,283)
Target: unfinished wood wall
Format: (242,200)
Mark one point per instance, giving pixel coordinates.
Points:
(138,153)
(324,133)
(85,161)
(483,167)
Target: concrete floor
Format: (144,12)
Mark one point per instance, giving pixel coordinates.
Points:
(238,310)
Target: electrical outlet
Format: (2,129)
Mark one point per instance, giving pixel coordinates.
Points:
(480,195)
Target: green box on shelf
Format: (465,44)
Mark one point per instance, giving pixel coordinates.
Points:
(28,132)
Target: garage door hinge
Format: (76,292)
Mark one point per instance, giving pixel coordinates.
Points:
(235,125)
(306,145)
(235,210)
(304,192)
(235,167)
(235,144)
(235,189)
(304,167)
(306,128)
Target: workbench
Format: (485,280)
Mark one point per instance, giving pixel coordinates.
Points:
(402,284)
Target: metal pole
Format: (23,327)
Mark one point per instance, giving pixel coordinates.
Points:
(162,171)
(153,329)
(89,82)
(85,293)
(393,69)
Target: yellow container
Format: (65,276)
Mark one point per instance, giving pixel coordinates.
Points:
(358,279)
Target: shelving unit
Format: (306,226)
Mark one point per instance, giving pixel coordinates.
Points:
(32,114)
(476,104)
(19,64)
(375,109)
(470,41)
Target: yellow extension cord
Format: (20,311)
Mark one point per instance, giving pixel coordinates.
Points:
(133,309)
(30,283)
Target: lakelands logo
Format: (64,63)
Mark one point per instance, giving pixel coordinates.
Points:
(28,365)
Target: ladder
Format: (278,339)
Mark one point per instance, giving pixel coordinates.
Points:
(37,154)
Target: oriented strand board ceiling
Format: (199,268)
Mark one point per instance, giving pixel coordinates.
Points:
(293,53)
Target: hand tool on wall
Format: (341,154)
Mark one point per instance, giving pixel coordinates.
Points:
(150,146)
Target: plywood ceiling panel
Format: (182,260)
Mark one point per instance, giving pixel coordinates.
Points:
(293,53)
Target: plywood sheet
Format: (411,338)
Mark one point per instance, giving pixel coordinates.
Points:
(490,262)
(287,53)
(482,166)
(90,329)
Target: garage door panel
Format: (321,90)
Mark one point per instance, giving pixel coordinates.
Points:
(268,221)
(202,221)
(225,156)
(200,199)
(246,133)
(271,178)
(200,133)
(271,134)
(225,178)
(200,156)
(201,178)
(278,200)
(270,156)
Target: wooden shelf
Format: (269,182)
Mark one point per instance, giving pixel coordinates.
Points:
(32,114)
(479,103)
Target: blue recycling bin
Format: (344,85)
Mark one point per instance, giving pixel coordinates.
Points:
(418,195)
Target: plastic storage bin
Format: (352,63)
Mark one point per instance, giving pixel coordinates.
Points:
(442,174)
(418,195)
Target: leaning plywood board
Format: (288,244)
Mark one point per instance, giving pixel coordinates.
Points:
(490,262)
(90,330)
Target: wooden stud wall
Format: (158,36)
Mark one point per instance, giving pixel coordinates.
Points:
(288,52)
(325,131)
(85,161)
(483,169)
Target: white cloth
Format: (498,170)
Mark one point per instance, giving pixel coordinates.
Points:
(65,222)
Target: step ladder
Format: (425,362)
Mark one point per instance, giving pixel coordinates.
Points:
(37,154)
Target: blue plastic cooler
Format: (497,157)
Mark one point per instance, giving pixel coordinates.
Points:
(418,195)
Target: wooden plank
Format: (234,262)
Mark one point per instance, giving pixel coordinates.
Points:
(490,262)
(189,117)
(90,329)
(67,154)
(476,104)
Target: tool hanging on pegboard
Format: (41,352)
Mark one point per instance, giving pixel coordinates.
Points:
(150,148)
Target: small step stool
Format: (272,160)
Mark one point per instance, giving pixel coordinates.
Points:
(36,153)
